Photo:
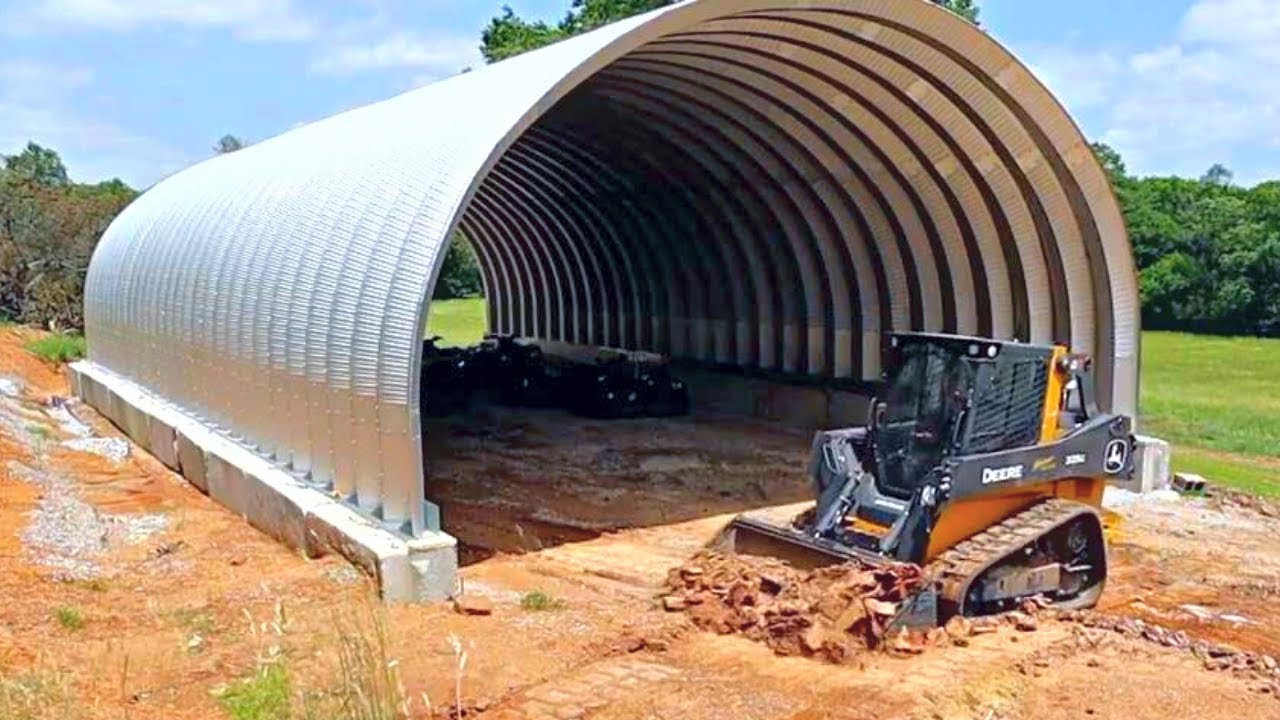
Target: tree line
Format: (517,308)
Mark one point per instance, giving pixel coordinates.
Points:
(1208,250)
(49,227)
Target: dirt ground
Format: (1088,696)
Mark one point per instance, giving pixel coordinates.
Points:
(178,598)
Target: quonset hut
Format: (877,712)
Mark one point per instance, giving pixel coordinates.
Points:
(754,185)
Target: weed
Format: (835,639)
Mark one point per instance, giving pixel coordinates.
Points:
(264,696)
(39,431)
(41,437)
(37,696)
(368,685)
(539,600)
(69,617)
(195,619)
(95,585)
(58,347)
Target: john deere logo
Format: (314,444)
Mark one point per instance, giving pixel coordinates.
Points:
(1116,457)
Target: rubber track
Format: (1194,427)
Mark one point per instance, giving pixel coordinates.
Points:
(957,568)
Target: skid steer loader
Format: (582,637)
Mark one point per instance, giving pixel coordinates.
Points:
(984,462)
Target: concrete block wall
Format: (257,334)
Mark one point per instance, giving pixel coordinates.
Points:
(267,496)
(810,407)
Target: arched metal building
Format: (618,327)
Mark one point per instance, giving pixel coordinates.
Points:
(762,184)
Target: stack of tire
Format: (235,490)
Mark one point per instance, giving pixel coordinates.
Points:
(446,379)
(518,374)
(619,386)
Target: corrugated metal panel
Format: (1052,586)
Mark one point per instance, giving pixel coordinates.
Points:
(753,183)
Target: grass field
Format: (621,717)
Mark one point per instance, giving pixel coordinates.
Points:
(1216,399)
(457,322)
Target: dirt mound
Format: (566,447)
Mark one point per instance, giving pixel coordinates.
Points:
(830,613)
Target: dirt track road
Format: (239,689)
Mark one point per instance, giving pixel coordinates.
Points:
(178,597)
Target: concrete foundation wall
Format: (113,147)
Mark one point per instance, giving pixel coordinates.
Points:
(269,498)
(804,406)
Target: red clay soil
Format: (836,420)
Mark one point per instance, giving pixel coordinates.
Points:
(577,628)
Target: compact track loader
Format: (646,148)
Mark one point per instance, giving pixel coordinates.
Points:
(984,462)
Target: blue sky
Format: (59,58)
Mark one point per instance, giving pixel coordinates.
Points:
(141,88)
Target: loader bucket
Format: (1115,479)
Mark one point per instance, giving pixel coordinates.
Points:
(753,536)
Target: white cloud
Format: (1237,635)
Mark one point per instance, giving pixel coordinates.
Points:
(1209,95)
(248,19)
(430,57)
(35,106)
(1079,79)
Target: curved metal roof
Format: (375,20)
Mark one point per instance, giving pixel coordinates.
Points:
(754,182)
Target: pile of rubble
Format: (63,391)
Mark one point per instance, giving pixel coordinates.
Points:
(830,613)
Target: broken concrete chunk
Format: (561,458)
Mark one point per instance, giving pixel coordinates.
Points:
(1024,622)
(959,628)
(813,639)
(473,605)
(851,616)
(883,608)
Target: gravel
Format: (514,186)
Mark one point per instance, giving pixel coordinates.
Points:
(114,449)
(67,534)
(60,410)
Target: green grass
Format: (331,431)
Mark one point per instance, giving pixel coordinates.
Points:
(58,347)
(458,322)
(264,696)
(539,600)
(69,618)
(1218,401)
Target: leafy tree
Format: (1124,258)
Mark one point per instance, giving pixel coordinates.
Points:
(37,164)
(49,228)
(1218,175)
(508,34)
(967,9)
(1112,163)
(1208,251)
(587,15)
(229,144)
(1171,289)
(460,274)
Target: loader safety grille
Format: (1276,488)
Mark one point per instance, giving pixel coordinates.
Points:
(1009,413)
